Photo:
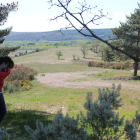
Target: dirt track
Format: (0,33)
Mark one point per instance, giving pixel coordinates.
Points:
(70,80)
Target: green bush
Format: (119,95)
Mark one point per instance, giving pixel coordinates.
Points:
(21,54)
(37,50)
(16,55)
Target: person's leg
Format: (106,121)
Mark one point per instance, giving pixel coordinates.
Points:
(2,107)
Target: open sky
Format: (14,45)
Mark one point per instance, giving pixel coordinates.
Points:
(33,15)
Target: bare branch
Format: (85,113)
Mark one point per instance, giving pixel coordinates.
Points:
(85,8)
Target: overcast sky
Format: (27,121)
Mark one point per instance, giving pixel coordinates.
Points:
(33,15)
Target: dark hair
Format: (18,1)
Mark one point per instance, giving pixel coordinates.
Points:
(7,60)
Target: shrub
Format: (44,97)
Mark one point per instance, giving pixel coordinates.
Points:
(16,55)
(95,64)
(37,50)
(91,63)
(101,121)
(19,78)
(109,65)
(20,72)
(74,56)
(62,128)
(26,84)
(20,54)
(10,87)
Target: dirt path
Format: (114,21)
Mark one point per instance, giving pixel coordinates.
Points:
(70,80)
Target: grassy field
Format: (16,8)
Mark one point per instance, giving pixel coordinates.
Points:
(43,101)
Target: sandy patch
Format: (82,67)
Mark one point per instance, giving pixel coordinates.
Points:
(54,109)
(66,80)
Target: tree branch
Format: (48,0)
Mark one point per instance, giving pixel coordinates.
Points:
(84,8)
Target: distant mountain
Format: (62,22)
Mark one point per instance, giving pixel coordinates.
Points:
(56,35)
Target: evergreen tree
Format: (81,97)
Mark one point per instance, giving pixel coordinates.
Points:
(4,12)
(128,36)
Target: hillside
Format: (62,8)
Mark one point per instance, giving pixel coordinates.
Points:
(56,35)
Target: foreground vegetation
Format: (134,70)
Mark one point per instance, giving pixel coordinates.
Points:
(26,107)
(43,102)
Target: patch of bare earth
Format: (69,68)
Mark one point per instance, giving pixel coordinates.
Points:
(54,109)
(69,80)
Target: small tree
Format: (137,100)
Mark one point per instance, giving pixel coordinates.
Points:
(59,54)
(95,47)
(101,50)
(108,55)
(84,49)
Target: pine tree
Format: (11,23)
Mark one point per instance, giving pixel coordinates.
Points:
(128,35)
(4,12)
